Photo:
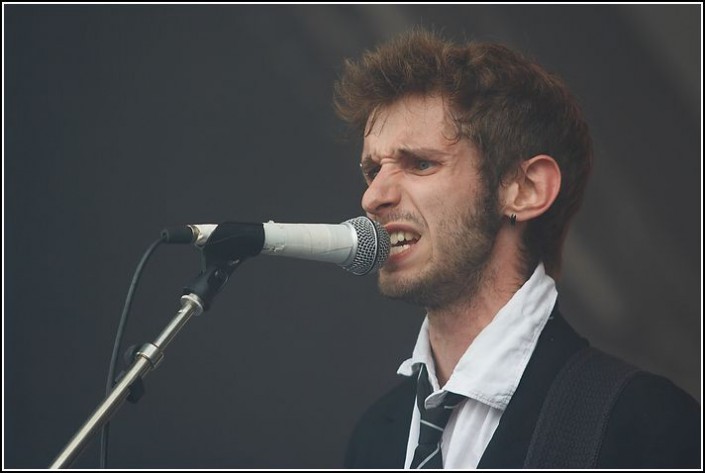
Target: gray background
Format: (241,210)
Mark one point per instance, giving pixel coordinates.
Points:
(120,120)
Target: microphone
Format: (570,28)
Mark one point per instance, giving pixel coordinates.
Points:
(358,245)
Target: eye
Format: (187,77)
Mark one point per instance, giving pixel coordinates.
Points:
(369,172)
(423,165)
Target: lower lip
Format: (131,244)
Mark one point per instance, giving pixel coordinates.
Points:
(401,255)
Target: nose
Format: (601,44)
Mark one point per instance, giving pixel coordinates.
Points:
(383,193)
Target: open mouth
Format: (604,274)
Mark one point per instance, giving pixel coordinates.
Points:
(402,241)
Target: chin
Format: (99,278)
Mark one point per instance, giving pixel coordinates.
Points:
(410,290)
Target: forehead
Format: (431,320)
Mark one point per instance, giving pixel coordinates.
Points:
(415,121)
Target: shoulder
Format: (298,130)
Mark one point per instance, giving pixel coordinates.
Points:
(653,424)
(380,436)
(387,406)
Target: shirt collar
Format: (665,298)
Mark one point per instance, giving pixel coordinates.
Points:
(493,364)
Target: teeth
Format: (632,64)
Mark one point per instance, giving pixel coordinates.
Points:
(396,237)
(398,249)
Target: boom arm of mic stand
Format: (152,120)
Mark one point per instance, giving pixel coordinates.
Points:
(196,299)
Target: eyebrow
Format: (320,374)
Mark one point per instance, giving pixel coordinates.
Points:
(421,153)
(418,153)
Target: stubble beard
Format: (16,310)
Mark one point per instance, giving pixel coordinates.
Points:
(458,270)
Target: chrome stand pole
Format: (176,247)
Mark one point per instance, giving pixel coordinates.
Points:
(147,358)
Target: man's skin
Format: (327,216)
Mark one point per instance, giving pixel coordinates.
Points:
(459,257)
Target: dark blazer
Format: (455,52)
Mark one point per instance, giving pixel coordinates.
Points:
(653,424)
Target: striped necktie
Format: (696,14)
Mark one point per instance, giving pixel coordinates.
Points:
(433,421)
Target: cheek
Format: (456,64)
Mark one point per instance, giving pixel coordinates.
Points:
(436,211)
(449,199)
(446,210)
(441,199)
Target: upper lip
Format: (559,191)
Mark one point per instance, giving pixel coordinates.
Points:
(400,227)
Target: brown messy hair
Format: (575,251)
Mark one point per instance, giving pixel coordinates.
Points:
(509,107)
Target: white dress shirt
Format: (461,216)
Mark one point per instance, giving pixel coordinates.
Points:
(487,374)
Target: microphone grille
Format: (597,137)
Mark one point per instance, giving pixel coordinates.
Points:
(372,246)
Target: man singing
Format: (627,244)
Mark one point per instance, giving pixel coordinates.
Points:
(476,159)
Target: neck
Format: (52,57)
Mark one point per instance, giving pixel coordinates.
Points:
(453,327)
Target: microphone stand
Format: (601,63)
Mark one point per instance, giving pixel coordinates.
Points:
(196,299)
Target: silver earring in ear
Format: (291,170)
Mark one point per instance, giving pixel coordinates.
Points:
(513,219)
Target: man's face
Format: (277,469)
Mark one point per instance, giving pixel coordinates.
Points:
(425,187)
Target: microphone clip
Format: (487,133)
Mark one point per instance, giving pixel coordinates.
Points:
(227,247)
(211,280)
(232,241)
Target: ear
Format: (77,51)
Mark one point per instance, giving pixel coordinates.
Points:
(534,188)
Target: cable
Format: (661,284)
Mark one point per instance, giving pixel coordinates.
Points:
(118,341)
